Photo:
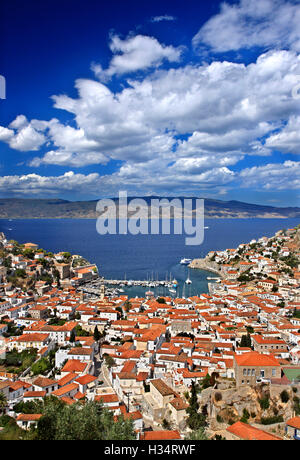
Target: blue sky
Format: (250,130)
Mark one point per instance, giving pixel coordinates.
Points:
(171,98)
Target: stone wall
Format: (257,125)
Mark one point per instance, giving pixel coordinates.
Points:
(229,403)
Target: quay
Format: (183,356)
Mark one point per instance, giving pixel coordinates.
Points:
(129,283)
(114,287)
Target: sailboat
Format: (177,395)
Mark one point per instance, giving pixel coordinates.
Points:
(183,292)
(188,281)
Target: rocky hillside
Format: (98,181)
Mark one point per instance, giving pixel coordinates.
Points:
(260,405)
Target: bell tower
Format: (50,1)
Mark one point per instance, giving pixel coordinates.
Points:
(102,291)
(82,296)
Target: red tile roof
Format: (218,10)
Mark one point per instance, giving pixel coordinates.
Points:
(255,359)
(160,435)
(294,422)
(250,433)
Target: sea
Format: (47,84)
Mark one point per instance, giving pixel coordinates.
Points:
(142,257)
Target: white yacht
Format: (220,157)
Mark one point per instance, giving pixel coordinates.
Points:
(185,261)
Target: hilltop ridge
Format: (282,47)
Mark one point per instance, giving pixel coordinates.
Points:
(30,208)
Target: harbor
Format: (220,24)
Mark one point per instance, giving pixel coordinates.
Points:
(121,286)
(182,282)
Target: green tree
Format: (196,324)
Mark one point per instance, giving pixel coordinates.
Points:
(284,396)
(264,402)
(161,300)
(20,273)
(246,341)
(46,428)
(86,422)
(120,310)
(72,336)
(79,332)
(45,263)
(67,256)
(109,361)
(56,277)
(206,382)
(168,335)
(296,313)
(195,419)
(197,435)
(245,416)
(29,253)
(166,424)
(41,366)
(7,262)
(3,402)
(96,335)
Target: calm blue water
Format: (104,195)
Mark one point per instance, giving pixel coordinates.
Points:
(142,256)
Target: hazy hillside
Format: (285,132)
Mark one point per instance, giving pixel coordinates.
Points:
(13,208)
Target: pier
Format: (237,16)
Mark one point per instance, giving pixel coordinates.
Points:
(130,283)
(114,286)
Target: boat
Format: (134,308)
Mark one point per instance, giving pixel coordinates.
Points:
(173,291)
(185,261)
(206,228)
(188,281)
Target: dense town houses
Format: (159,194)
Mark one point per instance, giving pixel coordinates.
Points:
(236,348)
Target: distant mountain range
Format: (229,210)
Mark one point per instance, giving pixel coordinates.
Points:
(17,208)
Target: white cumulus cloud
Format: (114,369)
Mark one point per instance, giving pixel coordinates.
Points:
(136,53)
(252,23)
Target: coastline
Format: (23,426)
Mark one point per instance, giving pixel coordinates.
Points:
(201,264)
(96,217)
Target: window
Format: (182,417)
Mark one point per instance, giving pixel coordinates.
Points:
(273,372)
